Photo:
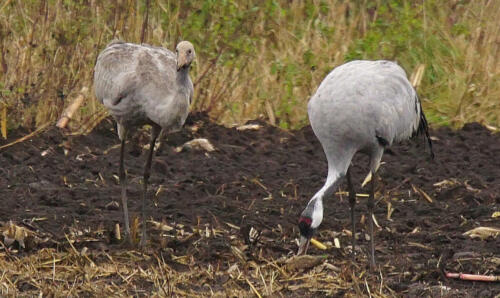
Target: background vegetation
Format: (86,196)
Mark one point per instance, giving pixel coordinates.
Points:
(254,57)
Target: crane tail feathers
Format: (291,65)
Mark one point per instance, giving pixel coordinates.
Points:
(423,127)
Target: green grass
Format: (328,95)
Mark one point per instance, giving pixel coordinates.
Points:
(254,58)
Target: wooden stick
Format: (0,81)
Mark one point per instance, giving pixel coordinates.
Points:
(71,109)
(472,277)
(3,123)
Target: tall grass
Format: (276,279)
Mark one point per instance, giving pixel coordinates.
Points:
(254,57)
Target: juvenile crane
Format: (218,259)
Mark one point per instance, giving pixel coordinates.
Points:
(143,84)
(361,106)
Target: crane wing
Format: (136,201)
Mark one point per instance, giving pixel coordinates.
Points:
(124,70)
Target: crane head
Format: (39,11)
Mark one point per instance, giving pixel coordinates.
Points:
(185,54)
(309,220)
(306,233)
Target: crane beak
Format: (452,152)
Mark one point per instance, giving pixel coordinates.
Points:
(181,62)
(303,245)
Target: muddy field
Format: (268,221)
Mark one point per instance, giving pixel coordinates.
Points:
(239,205)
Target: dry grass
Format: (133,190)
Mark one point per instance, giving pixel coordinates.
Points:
(74,269)
(470,87)
(255,58)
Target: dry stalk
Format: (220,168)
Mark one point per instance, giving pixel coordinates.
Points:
(422,193)
(253,288)
(26,137)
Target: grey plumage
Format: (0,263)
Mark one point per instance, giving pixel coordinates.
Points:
(140,84)
(361,106)
(143,84)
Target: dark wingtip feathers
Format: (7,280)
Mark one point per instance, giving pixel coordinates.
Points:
(423,127)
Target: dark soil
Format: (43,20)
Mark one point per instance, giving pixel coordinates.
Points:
(263,179)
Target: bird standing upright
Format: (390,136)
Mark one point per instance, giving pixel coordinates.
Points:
(143,84)
(361,106)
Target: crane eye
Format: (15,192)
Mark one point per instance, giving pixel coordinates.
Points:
(189,51)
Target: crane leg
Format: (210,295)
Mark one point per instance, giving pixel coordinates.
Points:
(123,184)
(147,172)
(352,203)
(371,205)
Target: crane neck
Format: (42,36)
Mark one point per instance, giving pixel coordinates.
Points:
(183,74)
(315,205)
(331,181)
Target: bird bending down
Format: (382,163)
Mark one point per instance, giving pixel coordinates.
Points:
(143,84)
(361,106)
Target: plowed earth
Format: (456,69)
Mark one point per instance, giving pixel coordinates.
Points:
(262,179)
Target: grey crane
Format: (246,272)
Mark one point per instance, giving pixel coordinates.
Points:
(361,106)
(143,84)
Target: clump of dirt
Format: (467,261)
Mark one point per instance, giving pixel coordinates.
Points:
(254,185)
